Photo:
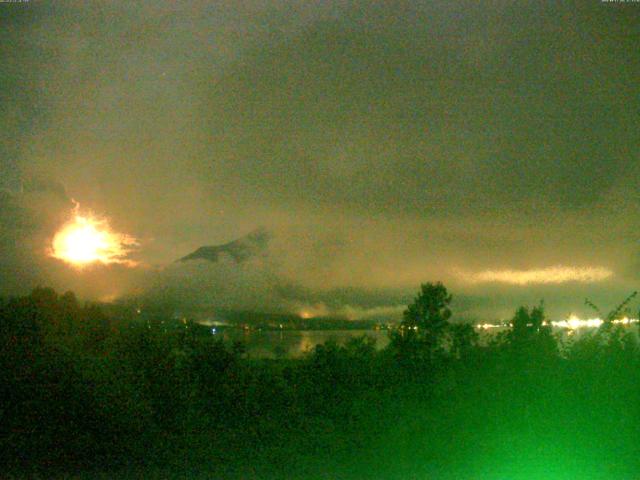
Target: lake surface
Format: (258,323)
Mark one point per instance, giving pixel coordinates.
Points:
(296,343)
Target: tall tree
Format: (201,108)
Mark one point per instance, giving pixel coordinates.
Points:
(426,321)
(531,335)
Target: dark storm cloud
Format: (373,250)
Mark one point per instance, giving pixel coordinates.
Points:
(28,216)
(454,111)
(383,144)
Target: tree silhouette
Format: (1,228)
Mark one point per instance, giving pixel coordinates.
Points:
(464,339)
(531,335)
(616,313)
(425,322)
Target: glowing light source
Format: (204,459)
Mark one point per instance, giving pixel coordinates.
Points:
(571,323)
(574,323)
(85,240)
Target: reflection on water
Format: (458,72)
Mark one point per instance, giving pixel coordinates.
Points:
(295,343)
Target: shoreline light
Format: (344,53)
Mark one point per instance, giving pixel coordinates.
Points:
(571,323)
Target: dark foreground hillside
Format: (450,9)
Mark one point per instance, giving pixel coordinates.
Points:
(84,396)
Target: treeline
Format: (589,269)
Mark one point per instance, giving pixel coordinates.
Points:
(86,394)
(284,321)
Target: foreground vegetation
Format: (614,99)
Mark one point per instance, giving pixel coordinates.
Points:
(83,394)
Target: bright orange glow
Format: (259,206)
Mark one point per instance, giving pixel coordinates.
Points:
(85,240)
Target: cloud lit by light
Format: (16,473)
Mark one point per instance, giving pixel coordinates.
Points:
(350,312)
(550,275)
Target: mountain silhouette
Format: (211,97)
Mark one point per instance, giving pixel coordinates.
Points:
(241,249)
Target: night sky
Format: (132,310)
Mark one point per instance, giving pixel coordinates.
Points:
(490,145)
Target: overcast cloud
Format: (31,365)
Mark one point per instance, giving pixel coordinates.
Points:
(383,144)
